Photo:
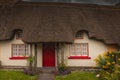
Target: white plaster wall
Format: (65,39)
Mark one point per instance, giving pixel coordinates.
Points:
(95,48)
(5,54)
(39,55)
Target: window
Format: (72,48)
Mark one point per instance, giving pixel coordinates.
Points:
(18,34)
(79,51)
(20,51)
(79,35)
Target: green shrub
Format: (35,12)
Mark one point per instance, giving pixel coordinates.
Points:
(62,66)
(63,69)
(109,63)
(105,75)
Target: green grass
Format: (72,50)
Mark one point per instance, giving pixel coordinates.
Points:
(78,76)
(15,75)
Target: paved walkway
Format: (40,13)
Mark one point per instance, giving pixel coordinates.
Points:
(47,73)
(46,76)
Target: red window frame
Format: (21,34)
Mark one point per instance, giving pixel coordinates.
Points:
(80,56)
(18,55)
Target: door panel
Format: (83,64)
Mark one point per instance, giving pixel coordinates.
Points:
(48,55)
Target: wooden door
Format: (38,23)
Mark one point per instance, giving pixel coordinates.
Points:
(48,55)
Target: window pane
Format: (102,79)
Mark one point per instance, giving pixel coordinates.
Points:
(79,49)
(18,34)
(20,50)
(79,34)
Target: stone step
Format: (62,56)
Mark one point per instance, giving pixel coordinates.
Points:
(46,76)
(48,69)
(47,73)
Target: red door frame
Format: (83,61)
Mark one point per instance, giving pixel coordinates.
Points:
(48,50)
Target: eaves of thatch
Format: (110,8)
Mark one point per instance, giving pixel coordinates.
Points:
(58,22)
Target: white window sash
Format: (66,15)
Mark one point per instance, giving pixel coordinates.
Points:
(80,49)
(20,50)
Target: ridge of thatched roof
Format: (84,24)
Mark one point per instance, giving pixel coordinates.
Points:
(118,4)
(58,22)
(8,2)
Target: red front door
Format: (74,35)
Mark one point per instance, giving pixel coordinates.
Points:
(48,55)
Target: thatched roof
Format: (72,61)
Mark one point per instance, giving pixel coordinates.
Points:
(57,22)
(8,2)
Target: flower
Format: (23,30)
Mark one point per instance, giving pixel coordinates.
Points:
(113,62)
(98,75)
(108,63)
(105,54)
(112,55)
(110,52)
(118,66)
(104,67)
(118,59)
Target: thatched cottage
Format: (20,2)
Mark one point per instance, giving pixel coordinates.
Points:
(55,32)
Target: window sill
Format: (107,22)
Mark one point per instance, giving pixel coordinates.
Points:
(18,58)
(79,57)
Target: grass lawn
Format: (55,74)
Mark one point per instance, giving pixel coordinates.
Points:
(78,76)
(15,75)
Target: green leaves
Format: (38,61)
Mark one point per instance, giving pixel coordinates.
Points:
(109,63)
